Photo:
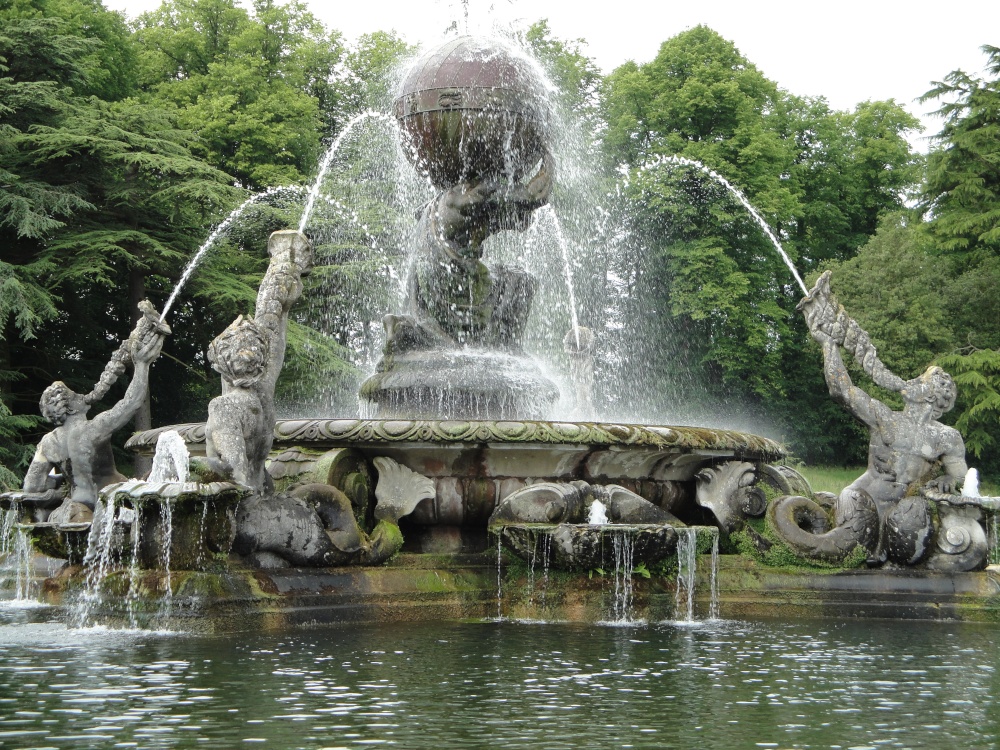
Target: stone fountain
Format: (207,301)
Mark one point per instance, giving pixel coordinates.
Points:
(455,398)
(459,442)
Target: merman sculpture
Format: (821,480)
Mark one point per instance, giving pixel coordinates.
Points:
(80,448)
(886,510)
(313,523)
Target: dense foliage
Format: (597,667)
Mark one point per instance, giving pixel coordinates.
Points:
(121,145)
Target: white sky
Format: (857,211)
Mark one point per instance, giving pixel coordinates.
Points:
(848,51)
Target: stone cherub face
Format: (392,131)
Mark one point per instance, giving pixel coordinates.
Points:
(240,353)
(934,387)
(59,401)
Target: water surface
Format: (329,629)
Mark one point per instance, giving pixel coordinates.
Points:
(811,684)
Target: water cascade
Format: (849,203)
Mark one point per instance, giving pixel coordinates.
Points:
(713,608)
(167,531)
(16,554)
(499,578)
(623,545)
(550,213)
(687,564)
(98,560)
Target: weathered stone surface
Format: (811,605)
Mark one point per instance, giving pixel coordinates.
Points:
(249,356)
(545,503)
(959,541)
(879,510)
(312,526)
(728,491)
(477,138)
(201,524)
(336,433)
(806,528)
(470,110)
(585,547)
(399,490)
(71,512)
(80,448)
(455,384)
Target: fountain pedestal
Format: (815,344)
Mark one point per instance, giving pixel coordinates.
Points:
(459,384)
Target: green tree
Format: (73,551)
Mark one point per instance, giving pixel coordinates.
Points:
(103,204)
(961,193)
(705,283)
(250,86)
(961,200)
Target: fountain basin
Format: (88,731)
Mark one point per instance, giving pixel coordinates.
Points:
(572,546)
(184,523)
(474,465)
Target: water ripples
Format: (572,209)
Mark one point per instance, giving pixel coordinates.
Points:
(506,685)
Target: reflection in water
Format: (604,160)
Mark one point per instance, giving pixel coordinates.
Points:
(718,685)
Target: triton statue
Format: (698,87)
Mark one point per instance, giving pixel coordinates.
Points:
(80,448)
(886,509)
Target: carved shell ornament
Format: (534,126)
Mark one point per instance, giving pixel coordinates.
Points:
(399,489)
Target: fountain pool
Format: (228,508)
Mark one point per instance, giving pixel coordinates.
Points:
(807,684)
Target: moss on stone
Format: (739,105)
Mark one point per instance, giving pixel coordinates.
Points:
(780,555)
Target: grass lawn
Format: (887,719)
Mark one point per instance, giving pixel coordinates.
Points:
(830,478)
(835,478)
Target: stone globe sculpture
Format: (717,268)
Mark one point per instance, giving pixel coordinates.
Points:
(470,110)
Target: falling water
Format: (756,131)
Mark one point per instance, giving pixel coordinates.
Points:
(201,532)
(499,577)
(713,607)
(166,603)
(16,556)
(994,540)
(132,598)
(687,544)
(546,556)
(738,194)
(567,269)
(623,545)
(97,560)
(331,152)
(598,514)
(218,232)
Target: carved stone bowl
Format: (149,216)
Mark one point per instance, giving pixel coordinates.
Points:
(569,546)
(476,464)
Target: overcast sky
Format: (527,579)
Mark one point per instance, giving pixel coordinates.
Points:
(848,51)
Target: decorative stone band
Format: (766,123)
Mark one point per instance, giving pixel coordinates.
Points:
(460,98)
(333,433)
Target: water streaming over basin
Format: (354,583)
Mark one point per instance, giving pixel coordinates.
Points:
(16,564)
(331,153)
(504,685)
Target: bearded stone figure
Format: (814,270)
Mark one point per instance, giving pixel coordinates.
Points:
(886,510)
(79,449)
